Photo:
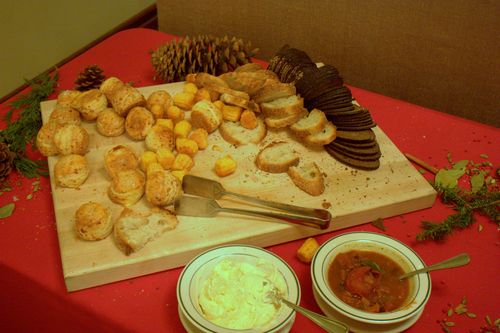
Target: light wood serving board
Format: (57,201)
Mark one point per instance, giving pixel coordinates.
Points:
(353,197)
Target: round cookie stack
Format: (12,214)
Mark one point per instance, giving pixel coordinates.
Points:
(323,88)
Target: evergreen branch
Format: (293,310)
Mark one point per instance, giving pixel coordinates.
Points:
(22,132)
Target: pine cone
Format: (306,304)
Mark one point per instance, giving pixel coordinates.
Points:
(91,78)
(6,158)
(174,60)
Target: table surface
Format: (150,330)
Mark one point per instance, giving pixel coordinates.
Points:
(33,294)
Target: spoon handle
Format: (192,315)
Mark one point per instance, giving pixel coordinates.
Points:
(328,324)
(457,261)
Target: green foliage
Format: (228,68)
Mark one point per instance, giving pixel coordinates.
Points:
(22,132)
(480,198)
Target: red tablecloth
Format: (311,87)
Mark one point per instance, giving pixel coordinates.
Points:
(33,296)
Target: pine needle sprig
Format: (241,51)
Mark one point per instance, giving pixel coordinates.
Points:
(22,131)
(466,204)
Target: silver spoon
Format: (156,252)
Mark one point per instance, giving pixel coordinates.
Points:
(328,324)
(456,261)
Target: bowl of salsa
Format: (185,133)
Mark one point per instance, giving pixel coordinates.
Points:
(357,275)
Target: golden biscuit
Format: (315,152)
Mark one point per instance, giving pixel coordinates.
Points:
(138,122)
(120,158)
(93,221)
(71,139)
(160,137)
(45,139)
(65,115)
(71,170)
(109,123)
(127,187)
(91,103)
(162,188)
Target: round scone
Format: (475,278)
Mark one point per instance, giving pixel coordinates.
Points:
(160,137)
(93,221)
(110,85)
(45,139)
(206,115)
(71,139)
(71,171)
(127,187)
(162,188)
(65,115)
(66,97)
(109,123)
(91,103)
(161,98)
(126,97)
(120,158)
(138,122)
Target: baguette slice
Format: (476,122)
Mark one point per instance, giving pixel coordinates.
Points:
(276,157)
(234,100)
(285,121)
(313,123)
(206,115)
(135,229)
(238,135)
(272,91)
(327,135)
(282,107)
(308,178)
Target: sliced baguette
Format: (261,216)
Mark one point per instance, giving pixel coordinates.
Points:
(206,115)
(238,135)
(276,157)
(280,122)
(312,124)
(327,135)
(272,91)
(282,107)
(135,229)
(307,177)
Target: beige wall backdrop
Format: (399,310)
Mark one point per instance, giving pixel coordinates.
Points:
(35,35)
(440,54)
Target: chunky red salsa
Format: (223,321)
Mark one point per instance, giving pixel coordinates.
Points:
(368,281)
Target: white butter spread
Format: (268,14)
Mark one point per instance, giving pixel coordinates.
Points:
(235,294)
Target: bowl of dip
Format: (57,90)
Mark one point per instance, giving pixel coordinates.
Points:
(226,290)
(356,275)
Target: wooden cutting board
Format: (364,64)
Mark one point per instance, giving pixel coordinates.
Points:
(353,197)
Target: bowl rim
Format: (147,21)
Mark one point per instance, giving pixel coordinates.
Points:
(423,282)
(184,285)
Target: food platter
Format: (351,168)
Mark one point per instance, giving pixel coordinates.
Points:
(352,196)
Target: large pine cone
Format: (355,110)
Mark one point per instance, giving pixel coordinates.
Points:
(90,78)
(6,158)
(174,60)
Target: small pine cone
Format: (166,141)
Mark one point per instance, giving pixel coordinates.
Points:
(90,78)
(6,158)
(174,60)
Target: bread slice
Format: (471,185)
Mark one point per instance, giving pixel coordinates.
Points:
(135,229)
(276,157)
(313,123)
(238,135)
(280,122)
(272,91)
(324,137)
(282,107)
(206,115)
(307,177)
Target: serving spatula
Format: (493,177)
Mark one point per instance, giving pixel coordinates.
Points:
(212,189)
(206,207)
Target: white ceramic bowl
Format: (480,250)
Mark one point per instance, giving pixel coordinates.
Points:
(420,285)
(198,269)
